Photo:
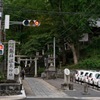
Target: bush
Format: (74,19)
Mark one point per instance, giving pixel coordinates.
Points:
(40,70)
(92,49)
(1,76)
(91,63)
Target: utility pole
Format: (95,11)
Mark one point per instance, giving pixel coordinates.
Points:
(1,12)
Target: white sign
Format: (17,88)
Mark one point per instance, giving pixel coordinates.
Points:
(16,71)
(0,14)
(84,37)
(7,19)
(11,60)
(66,71)
(94,22)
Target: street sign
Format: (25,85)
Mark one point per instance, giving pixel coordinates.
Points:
(7,19)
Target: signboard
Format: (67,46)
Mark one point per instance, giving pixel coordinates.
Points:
(0,14)
(11,60)
(67,71)
(7,20)
(84,37)
(16,71)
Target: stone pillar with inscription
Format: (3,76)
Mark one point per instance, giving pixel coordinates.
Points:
(11,60)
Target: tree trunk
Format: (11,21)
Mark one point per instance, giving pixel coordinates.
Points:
(63,55)
(75,58)
(64,58)
(74,55)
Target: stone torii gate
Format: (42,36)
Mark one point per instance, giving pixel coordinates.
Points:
(35,60)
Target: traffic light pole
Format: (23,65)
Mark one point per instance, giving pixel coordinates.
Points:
(6,26)
(1,11)
(5,59)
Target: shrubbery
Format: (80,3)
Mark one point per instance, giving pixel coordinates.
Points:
(1,76)
(91,63)
(40,70)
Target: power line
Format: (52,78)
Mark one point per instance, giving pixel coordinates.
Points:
(48,12)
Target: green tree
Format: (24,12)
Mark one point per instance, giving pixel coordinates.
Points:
(67,20)
(71,21)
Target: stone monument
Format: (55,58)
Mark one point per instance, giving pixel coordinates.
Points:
(51,71)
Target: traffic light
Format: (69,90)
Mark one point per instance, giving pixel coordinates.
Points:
(31,23)
(1,49)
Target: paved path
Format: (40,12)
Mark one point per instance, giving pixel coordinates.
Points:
(39,88)
(77,93)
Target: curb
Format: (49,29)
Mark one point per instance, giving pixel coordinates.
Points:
(15,97)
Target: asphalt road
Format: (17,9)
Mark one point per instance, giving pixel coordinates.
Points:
(51,98)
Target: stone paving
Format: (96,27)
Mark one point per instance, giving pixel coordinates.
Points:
(40,88)
(77,92)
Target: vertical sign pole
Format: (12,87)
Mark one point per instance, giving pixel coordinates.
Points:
(1,11)
(6,26)
(0,30)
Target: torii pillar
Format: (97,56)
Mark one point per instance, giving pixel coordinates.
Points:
(35,60)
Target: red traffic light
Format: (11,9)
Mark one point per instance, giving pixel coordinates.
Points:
(1,47)
(37,23)
(31,23)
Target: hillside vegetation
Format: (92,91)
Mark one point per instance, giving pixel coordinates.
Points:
(66,20)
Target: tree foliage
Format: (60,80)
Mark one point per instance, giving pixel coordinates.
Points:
(66,20)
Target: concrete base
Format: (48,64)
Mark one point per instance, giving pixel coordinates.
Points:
(14,97)
(85,93)
(67,86)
